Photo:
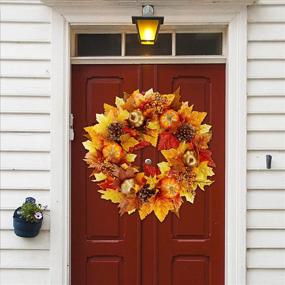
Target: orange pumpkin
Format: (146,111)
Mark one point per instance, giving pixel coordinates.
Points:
(113,152)
(170,119)
(169,187)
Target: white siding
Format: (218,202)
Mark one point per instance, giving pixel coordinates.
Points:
(25,136)
(266,135)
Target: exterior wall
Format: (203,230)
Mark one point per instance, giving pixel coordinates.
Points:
(25,135)
(266,135)
(25,145)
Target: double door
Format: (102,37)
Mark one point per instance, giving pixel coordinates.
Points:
(111,250)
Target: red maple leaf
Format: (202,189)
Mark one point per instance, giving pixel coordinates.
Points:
(140,145)
(206,155)
(167,141)
(150,170)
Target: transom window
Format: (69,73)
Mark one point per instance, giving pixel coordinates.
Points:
(168,44)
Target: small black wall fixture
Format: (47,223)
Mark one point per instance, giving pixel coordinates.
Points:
(268,161)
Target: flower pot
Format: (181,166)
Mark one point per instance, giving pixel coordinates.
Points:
(22,228)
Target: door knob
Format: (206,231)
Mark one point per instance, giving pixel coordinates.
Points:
(148,161)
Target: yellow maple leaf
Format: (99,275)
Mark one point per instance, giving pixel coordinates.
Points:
(131,157)
(169,154)
(152,181)
(122,115)
(164,167)
(202,172)
(99,177)
(195,118)
(119,102)
(152,140)
(204,129)
(168,98)
(145,210)
(103,123)
(185,110)
(127,142)
(190,196)
(88,145)
(153,125)
(111,194)
(162,207)
(109,108)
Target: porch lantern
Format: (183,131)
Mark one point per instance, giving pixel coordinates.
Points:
(147,25)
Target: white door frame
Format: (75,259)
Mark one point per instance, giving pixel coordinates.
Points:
(235,167)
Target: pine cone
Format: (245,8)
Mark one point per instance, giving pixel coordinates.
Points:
(115,131)
(185,133)
(145,193)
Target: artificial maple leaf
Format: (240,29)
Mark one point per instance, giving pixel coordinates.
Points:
(130,157)
(168,98)
(161,208)
(177,202)
(140,145)
(134,101)
(119,102)
(153,125)
(88,145)
(176,104)
(151,139)
(128,204)
(164,167)
(126,174)
(128,142)
(202,172)
(113,195)
(204,129)
(103,123)
(152,181)
(201,140)
(91,158)
(195,118)
(185,111)
(189,195)
(206,155)
(109,108)
(110,183)
(99,177)
(167,141)
(150,170)
(145,209)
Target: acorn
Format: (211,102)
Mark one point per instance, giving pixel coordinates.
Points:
(136,118)
(189,158)
(127,186)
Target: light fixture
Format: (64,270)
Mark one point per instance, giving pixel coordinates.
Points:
(147,25)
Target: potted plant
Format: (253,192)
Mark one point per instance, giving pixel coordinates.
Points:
(27,219)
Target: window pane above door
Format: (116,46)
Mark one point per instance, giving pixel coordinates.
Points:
(199,43)
(98,44)
(163,46)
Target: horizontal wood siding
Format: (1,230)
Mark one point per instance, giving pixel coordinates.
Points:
(25,137)
(266,135)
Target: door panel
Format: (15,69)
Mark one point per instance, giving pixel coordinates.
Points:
(196,239)
(108,249)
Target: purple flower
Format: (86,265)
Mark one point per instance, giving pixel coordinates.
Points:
(38,215)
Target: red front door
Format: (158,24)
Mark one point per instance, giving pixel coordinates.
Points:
(111,250)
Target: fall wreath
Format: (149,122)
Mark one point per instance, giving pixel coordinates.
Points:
(152,119)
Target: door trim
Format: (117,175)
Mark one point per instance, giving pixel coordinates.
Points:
(235,184)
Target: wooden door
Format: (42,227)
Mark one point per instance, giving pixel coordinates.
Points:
(112,250)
